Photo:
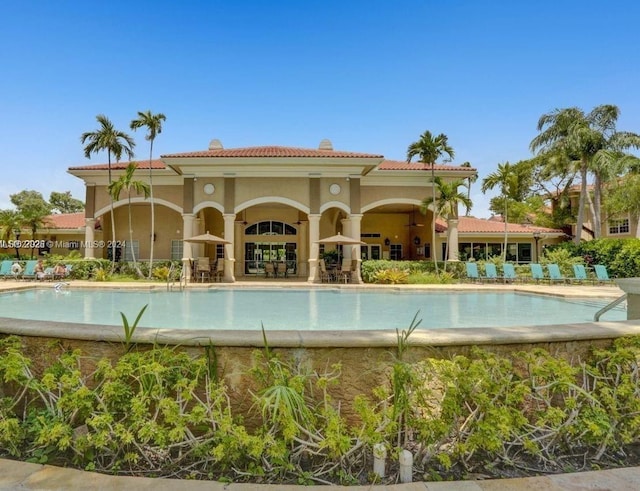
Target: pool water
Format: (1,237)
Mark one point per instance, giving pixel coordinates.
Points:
(306,310)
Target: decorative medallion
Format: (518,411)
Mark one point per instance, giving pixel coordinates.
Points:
(335,189)
(209,188)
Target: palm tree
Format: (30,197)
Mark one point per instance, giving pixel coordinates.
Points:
(114,142)
(468,182)
(584,138)
(429,148)
(10,225)
(449,198)
(506,178)
(126,183)
(153,123)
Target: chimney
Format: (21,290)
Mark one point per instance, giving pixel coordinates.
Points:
(325,145)
(215,144)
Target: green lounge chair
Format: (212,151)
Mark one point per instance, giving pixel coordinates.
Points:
(472,272)
(555,276)
(536,273)
(5,269)
(29,272)
(602,274)
(580,274)
(509,273)
(490,272)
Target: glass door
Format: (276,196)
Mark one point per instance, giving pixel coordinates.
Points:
(256,254)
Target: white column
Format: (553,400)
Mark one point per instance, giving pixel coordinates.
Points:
(188,221)
(346,231)
(452,227)
(89,237)
(239,265)
(303,249)
(229,257)
(356,221)
(314,236)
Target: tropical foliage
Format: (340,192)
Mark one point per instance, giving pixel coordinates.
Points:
(127,183)
(116,143)
(428,149)
(164,412)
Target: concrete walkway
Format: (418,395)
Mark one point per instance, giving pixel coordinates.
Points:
(23,476)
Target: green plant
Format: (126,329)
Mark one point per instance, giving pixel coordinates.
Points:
(391,276)
(101,274)
(129,330)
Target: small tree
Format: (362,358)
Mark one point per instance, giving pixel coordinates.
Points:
(430,148)
(126,183)
(32,210)
(65,203)
(449,198)
(107,139)
(153,123)
(10,223)
(505,178)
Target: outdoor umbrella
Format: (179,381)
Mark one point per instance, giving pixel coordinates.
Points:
(340,240)
(207,239)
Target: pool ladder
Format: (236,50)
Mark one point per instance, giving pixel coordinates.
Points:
(608,307)
(171,280)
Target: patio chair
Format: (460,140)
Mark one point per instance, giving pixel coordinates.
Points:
(282,269)
(47,275)
(325,276)
(203,269)
(472,272)
(218,272)
(537,274)
(29,272)
(602,274)
(269,270)
(509,273)
(580,274)
(490,272)
(345,271)
(5,269)
(555,275)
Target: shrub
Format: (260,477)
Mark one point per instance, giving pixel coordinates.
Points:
(392,276)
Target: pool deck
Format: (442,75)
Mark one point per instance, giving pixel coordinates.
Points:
(27,476)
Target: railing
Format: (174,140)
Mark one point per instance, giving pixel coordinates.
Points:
(608,307)
(171,280)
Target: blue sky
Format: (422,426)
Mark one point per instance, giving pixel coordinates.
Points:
(370,76)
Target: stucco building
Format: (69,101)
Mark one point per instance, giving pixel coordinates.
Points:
(276,203)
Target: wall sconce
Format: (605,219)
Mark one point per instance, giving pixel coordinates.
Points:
(387,242)
(154,237)
(416,240)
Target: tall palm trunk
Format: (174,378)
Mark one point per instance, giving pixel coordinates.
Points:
(595,206)
(133,253)
(581,201)
(153,215)
(113,223)
(506,229)
(433,217)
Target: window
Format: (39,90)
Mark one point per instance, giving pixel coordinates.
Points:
(395,252)
(176,250)
(127,250)
(270,228)
(619,226)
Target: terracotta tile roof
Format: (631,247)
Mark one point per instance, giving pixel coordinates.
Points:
(482,225)
(271,152)
(140,164)
(65,220)
(404,165)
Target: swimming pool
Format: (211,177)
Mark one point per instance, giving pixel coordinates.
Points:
(300,309)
